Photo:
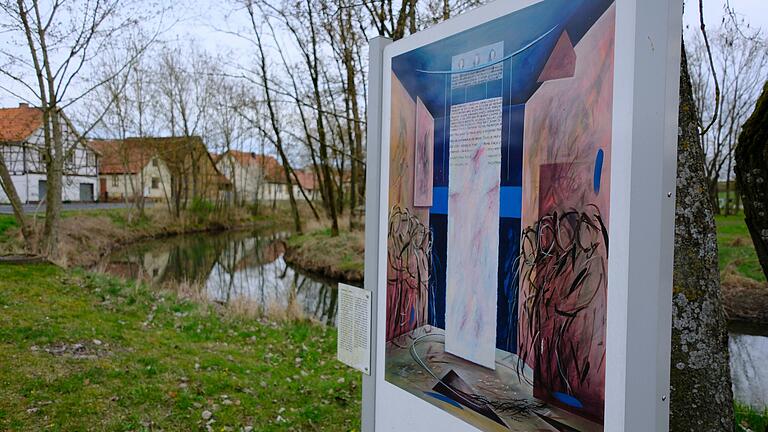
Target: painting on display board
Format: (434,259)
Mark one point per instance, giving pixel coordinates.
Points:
(498,216)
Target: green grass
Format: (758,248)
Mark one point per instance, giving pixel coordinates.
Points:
(736,249)
(118,216)
(751,419)
(343,254)
(6,222)
(160,363)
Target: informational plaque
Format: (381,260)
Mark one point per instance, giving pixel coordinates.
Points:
(354,326)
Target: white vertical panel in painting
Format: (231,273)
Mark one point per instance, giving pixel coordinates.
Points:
(473,213)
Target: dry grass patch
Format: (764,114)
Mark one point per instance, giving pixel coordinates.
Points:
(744,299)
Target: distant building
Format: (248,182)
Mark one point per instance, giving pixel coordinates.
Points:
(262,177)
(130,170)
(169,169)
(308,183)
(21,147)
(248,172)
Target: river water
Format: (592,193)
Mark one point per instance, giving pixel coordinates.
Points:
(243,268)
(248,268)
(749,365)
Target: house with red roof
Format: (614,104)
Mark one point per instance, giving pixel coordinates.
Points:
(159,169)
(258,177)
(22,148)
(248,173)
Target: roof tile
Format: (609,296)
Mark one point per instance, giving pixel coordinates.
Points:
(17,124)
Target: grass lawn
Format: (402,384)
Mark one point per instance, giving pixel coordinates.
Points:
(736,247)
(6,222)
(86,352)
(751,419)
(341,257)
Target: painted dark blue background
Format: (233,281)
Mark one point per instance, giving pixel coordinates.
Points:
(519,84)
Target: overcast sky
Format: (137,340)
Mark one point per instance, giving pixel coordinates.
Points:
(204,20)
(755,12)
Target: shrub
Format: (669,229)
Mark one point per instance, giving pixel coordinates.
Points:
(201,209)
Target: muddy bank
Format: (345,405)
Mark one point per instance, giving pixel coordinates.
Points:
(338,258)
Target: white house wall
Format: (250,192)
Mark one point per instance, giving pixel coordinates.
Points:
(28,188)
(251,186)
(247,180)
(163,175)
(116,183)
(26,168)
(71,187)
(21,185)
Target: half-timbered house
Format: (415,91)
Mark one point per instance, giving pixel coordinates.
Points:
(22,147)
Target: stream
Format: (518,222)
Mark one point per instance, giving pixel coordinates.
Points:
(749,364)
(239,268)
(248,268)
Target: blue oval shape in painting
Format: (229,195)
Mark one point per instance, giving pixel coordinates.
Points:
(568,400)
(598,169)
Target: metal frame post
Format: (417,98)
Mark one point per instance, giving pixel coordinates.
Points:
(372,208)
(646,100)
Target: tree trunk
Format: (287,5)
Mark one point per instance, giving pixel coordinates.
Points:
(713,190)
(313,63)
(18,210)
(701,398)
(54,177)
(752,176)
(728,206)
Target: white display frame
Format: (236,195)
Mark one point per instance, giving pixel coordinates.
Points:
(642,205)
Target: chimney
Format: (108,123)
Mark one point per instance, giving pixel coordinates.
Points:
(23,105)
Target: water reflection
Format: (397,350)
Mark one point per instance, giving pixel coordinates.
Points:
(749,367)
(242,268)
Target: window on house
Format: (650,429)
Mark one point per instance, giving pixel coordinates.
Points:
(41,159)
(155,183)
(91,159)
(115,181)
(155,163)
(72,158)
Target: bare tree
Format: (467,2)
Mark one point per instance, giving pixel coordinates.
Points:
(228,130)
(186,80)
(59,39)
(301,20)
(740,63)
(275,134)
(18,211)
(345,39)
(122,100)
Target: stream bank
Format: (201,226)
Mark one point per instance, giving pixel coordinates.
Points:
(338,258)
(86,237)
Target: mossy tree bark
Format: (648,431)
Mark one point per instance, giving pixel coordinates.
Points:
(701,397)
(752,176)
